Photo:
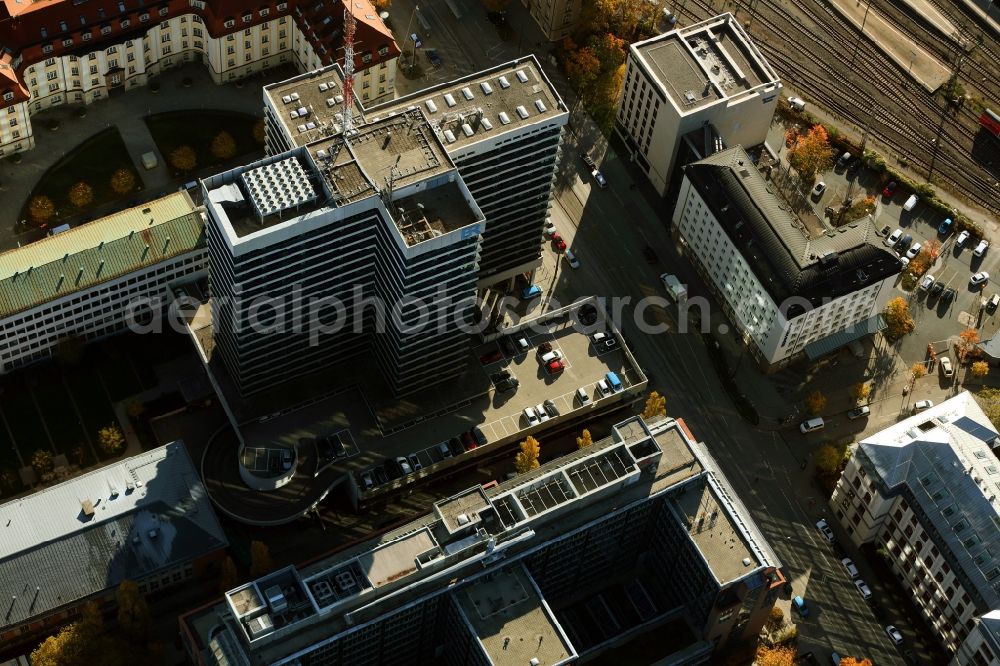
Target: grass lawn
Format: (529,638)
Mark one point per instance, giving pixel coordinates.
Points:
(57,411)
(90,398)
(92,162)
(197,129)
(24,421)
(119,378)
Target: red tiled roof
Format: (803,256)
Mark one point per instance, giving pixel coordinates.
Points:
(26,27)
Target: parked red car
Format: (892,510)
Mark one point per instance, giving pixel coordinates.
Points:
(555,367)
(558,242)
(890,188)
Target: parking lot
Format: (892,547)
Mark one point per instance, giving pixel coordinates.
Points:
(430,426)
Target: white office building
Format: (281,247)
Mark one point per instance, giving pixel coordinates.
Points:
(789,293)
(80,283)
(925,491)
(706,83)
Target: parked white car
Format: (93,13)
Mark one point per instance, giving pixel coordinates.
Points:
(571,259)
(926,282)
(921,405)
(893,238)
(914,250)
(981,248)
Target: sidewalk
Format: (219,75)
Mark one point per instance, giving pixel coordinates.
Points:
(124,110)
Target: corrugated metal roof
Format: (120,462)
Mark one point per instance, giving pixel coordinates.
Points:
(99,251)
(49,543)
(942,456)
(772,240)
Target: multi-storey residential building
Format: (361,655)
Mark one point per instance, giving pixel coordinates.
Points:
(501,127)
(553,566)
(145,519)
(64,52)
(788,293)
(89,282)
(982,646)
(557,18)
(925,491)
(373,238)
(706,83)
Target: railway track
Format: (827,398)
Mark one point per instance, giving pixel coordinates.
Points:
(901,116)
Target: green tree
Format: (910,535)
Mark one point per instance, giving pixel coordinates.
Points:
(81,195)
(828,459)
(989,399)
(815,402)
(775,619)
(122,181)
(260,559)
(584,440)
(259,133)
(897,319)
(609,50)
(527,458)
(918,370)
(980,369)
(860,391)
(183,158)
(811,153)
(41,460)
(656,405)
(133,612)
(223,146)
(854,661)
(111,440)
(8,481)
(228,576)
(69,647)
(582,68)
(41,208)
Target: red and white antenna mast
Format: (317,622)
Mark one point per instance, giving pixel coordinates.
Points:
(348,67)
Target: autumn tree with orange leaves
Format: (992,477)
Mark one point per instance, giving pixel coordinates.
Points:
(967,344)
(811,153)
(854,661)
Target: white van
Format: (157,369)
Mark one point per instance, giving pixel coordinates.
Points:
(603,389)
(911,202)
(811,425)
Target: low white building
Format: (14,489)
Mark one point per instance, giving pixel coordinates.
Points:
(925,490)
(788,294)
(982,646)
(78,284)
(707,78)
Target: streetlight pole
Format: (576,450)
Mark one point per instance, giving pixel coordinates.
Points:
(857,42)
(413,53)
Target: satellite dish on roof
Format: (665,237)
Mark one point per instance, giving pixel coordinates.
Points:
(384,16)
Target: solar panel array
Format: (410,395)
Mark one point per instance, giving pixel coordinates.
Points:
(278,186)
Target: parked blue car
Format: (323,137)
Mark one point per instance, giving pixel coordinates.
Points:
(531,291)
(800,605)
(945,227)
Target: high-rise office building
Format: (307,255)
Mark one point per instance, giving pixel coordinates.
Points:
(364,244)
(637,532)
(501,127)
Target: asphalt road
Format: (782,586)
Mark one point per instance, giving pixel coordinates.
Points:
(763,466)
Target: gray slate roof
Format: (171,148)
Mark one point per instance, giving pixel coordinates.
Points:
(785,259)
(46,542)
(941,459)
